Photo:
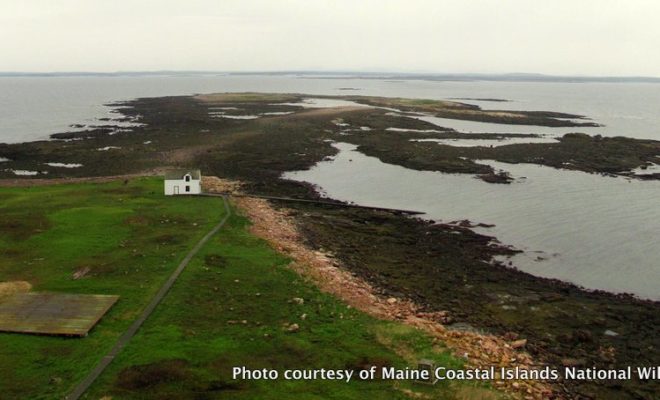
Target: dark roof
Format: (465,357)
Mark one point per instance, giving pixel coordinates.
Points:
(178,174)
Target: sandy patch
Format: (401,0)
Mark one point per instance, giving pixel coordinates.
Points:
(12,287)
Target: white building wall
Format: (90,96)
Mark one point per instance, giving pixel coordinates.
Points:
(174,187)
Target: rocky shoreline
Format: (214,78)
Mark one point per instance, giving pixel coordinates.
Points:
(279,228)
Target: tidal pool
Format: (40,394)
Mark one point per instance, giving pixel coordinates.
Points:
(64,165)
(488,142)
(23,172)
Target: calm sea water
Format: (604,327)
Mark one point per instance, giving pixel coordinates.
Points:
(31,108)
(598,232)
(595,231)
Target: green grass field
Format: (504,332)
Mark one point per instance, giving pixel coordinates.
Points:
(229,307)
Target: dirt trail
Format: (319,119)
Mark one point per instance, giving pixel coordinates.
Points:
(480,351)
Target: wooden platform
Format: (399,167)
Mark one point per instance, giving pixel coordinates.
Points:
(53,313)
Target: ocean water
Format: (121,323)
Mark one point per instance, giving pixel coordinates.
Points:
(32,108)
(599,232)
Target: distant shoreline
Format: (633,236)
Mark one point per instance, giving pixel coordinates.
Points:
(510,77)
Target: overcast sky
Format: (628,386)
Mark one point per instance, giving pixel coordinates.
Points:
(567,37)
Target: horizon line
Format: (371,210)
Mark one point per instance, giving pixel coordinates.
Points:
(326,72)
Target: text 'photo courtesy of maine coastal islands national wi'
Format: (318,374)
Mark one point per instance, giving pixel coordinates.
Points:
(329,200)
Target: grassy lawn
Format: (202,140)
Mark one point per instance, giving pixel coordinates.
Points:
(129,238)
(229,308)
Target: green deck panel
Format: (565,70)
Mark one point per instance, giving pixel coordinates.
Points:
(53,313)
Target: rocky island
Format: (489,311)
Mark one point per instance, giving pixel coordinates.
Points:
(445,269)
